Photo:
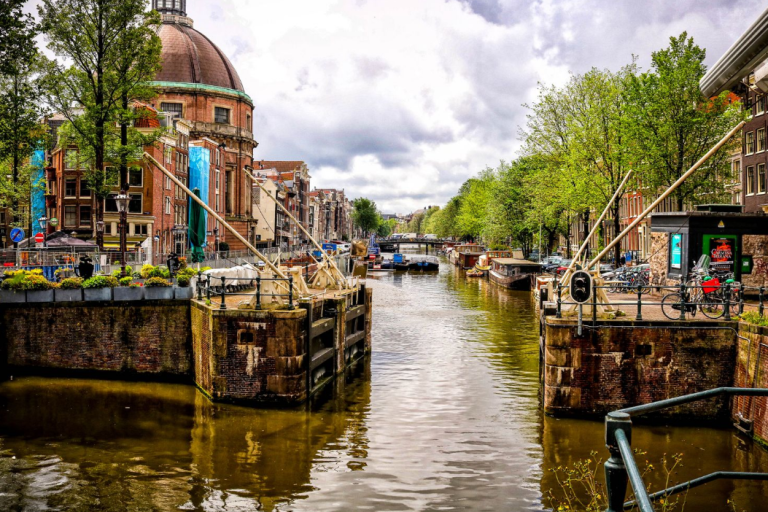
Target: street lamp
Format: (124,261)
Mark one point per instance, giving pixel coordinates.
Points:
(122,200)
(43,221)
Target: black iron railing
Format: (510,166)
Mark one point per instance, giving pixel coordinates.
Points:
(221,287)
(621,467)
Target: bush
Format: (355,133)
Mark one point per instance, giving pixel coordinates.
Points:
(14,280)
(126,281)
(182,263)
(753,317)
(118,271)
(146,270)
(72,283)
(156,282)
(34,282)
(188,272)
(183,281)
(223,246)
(100,282)
(205,269)
(136,285)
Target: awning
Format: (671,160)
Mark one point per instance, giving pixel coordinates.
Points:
(739,61)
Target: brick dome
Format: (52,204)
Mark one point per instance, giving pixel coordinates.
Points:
(190,57)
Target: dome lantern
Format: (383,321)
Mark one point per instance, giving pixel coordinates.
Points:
(175,7)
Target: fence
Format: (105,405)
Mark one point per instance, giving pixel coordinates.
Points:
(621,467)
(212,287)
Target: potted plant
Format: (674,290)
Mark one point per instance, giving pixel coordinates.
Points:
(99,288)
(118,270)
(183,291)
(38,288)
(12,288)
(69,290)
(127,291)
(157,288)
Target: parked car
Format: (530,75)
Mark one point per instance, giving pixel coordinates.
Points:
(606,268)
(564,264)
(430,236)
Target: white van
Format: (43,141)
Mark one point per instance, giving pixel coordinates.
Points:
(430,237)
(410,235)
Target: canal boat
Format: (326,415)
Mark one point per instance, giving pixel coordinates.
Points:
(424,264)
(475,273)
(400,262)
(513,273)
(465,256)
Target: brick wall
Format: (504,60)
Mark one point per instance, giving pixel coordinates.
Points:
(147,338)
(757,247)
(752,372)
(611,368)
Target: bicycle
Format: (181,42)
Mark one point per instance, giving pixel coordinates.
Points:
(704,298)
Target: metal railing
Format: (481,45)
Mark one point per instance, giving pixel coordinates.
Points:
(215,287)
(621,467)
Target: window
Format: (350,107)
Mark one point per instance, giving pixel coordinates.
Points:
(248,122)
(167,205)
(110,205)
(85,216)
(174,109)
(141,229)
(70,189)
(134,205)
(749,143)
(217,202)
(85,190)
(750,180)
(761,140)
(70,159)
(135,177)
(218,178)
(761,178)
(760,105)
(736,169)
(167,183)
(221,115)
(70,216)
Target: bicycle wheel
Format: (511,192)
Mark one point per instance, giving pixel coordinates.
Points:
(712,306)
(670,306)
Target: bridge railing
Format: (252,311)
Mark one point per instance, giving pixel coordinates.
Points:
(621,467)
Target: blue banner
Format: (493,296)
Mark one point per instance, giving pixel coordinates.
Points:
(200,175)
(38,190)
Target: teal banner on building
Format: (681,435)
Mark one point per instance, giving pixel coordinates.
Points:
(676,251)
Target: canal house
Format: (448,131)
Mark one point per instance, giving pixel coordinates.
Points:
(735,242)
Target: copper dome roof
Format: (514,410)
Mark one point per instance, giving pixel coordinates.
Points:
(190,57)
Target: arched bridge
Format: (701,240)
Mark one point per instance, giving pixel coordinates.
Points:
(394,245)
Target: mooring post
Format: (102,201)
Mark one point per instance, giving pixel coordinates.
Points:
(290,292)
(559,302)
(727,302)
(683,302)
(199,285)
(208,289)
(639,315)
(223,293)
(616,477)
(760,307)
(258,292)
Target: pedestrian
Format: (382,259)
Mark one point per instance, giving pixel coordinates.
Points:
(622,260)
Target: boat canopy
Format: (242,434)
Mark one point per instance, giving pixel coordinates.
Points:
(515,261)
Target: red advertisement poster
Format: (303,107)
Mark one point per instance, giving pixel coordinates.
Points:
(721,252)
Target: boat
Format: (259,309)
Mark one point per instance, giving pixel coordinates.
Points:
(513,273)
(400,262)
(424,264)
(475,273)
(465,256)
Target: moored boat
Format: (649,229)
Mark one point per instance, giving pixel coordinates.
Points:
(400,262)
(513,273)
(424,264)
(466,255)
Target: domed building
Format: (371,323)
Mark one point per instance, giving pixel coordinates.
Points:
(198,83)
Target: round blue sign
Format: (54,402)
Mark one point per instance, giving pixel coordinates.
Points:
(17,235)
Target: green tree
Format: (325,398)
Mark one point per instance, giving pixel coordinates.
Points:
(674,125)
(475,196)
(20,106)
(365,215)
(385,228)
(114,50)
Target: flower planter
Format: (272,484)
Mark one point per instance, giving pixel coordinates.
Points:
(12,297)
(68,295)
(183,293)
(97,294)
(128,294)
(39,296)
(158,293)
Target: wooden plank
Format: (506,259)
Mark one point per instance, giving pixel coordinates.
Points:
(354,338)
(321,327)
(355,312)
(320,357)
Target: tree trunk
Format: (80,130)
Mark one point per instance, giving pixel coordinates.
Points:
(568,238)
(585,226)
(616,231)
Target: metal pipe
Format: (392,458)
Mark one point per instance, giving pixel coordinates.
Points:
(666,193)
(697,482)
(682,400)
(635,478)
(215,216)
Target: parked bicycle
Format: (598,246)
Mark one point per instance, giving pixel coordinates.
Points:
(702,293)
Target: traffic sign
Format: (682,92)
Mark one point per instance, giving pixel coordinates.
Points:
(53,222)
(17,235)
(39,238)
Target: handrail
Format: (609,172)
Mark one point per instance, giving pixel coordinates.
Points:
(621,467)
(205,288)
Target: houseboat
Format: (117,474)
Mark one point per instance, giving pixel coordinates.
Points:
(513,273)
(465,256)
(484,261)
(424,264)
(400,262)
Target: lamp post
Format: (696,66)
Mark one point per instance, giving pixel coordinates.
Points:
(122,201)
(43,221)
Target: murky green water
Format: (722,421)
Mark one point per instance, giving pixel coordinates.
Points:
(447,419)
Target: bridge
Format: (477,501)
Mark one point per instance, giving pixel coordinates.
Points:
(394,245)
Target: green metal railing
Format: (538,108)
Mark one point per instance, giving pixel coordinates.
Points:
(621,467)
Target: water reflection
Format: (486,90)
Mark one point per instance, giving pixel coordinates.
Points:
(445,417)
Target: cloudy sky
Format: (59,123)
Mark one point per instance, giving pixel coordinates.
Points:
(403,100)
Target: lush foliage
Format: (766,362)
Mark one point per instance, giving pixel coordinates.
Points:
(156,282)
(118,271)
(18,280)
(365,215)
(755,318)
(148,271)
(72,283)
(183,281)
(100,282)
(126,281)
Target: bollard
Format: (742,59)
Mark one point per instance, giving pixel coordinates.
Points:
(559,303)
(594,302)
(683,304)
(199,285)
(258,292)
(727,302)
(639,315)
(208,290)
(616,478)
(290,292)
(223,293)
(760,307)
(741,300)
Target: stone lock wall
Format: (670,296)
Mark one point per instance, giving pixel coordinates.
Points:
(658,261)
(752,372)
(147,338)
(757,246)
(632,363)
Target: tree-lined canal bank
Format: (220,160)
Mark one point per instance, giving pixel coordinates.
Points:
(449,419)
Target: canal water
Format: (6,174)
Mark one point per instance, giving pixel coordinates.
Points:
(446,416)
